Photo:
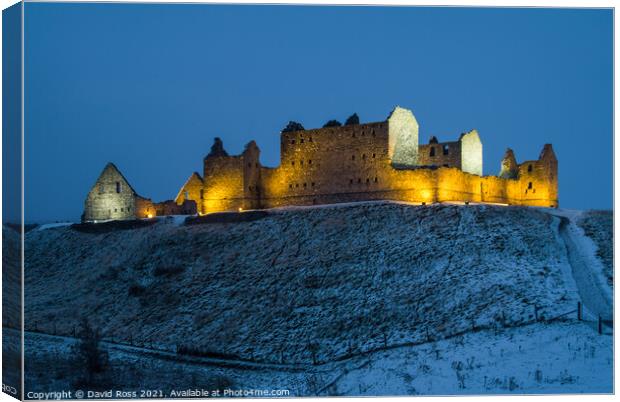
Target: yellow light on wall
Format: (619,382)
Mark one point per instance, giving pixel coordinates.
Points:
(240,209)
(149,216)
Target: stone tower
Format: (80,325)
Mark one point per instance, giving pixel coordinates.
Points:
(471,153)
(549,173)
(251,176)
(510,168)
(402,138)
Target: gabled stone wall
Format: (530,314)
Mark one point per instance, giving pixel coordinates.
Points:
(192,190)
(110,198)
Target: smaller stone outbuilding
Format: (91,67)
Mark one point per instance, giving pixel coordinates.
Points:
(113,198)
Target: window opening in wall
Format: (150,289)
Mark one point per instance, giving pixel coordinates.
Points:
(296,185)
(363,156)
(309,161)
(432,153)
(529,185)
(310,139)
(301,162)
(118,187)
(373,133)
(290,186)
(301,141)
(350,181)
(446,165)
(202,194)
(529,168)
(446,150)
(292,163)
(352,157)
(115,210)
(376,179)
(122,209)
(374,155)
(353,135)
(256,164)
(304,185)
(359,180)
(367,181)
(312,184)
(292,141)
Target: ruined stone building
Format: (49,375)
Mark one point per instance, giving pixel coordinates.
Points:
(113,198)
(343,163)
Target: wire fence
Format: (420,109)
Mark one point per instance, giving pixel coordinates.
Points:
(425,335)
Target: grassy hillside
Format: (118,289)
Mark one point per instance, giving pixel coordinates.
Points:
(302,285)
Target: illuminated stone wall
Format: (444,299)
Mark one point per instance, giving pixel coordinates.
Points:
(253,187)
(335,163)
(510,168)
(144,208)
(538,180)
(403,137)
(170,207)
(359,162)
(223,184)
(110,198)
(192,190)
(471,153)
(446,154)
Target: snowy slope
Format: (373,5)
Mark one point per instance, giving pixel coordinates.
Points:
(598,226)
(319,285)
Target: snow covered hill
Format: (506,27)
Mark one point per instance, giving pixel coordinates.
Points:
(319,287)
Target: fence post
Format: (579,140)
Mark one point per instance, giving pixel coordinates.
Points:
(600,325)
(579,313)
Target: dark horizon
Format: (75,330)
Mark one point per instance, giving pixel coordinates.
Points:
(148,87)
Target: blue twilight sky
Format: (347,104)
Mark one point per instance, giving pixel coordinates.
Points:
(148,86)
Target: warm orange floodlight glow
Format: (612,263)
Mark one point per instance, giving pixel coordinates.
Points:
(149,216)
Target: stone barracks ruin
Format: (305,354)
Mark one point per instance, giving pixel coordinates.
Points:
(340,163)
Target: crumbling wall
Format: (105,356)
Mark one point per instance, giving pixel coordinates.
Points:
(327,164)
(144,208)
(372,161)
(441,154)
(170,207)
(252,185)
(223,183)
(192,190)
